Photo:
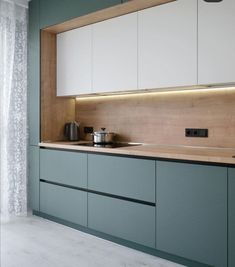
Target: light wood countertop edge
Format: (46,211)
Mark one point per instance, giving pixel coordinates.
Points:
(210,155)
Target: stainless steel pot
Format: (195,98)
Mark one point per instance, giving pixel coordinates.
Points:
(103,137)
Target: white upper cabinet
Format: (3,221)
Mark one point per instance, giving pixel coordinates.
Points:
(74,62)
(216,42)
(115,54)
(167,40)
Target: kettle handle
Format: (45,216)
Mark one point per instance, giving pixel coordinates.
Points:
(66,130)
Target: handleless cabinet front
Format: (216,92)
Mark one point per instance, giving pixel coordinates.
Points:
(231,217)
(74,62)
(167,45)
(34,177)
(216,41)
(115,54)
(122,176)
(192,212)
(64,203)
(64,167)
(120,218)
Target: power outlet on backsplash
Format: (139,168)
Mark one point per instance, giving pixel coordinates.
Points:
(88,129)
(195,132)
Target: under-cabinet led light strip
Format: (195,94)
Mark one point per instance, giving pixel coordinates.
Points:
(147,92)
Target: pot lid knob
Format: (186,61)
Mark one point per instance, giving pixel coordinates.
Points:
(103,129)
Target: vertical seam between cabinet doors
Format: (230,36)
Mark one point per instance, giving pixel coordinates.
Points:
(137,52)
(39,81)
(197,53)
(228,217)
(87,188)
(92,58)
(39,183)
(155,204)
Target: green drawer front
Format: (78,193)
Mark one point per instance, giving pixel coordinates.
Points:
(128,177)
(123,219)
(69,168)
(231,217)
(64,203)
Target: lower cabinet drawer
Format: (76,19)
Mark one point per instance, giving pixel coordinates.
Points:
(121,176)
(64,167)
(64,203)
(124,219)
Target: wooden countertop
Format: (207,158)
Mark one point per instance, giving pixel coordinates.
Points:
(201,154)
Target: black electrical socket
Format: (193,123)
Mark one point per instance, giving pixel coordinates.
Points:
(195,132)
(88,129)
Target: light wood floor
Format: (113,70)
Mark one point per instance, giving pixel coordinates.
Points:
(35,242)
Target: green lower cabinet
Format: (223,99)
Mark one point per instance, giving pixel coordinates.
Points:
(64,203)
(191,219)
(34,177)
(124,219)
(231,217)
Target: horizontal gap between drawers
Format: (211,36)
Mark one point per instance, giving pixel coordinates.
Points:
(100,193)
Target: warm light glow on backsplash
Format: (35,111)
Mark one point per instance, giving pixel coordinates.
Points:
(149,93)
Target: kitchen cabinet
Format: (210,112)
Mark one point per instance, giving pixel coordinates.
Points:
(121,176)
(167,45)
(231,217)
(33,73)
(191,212)
(57,11)
(115,54)
(216,42)
(181,209)
(33,156)
(124,219)
(64,167)
(64,203)
(74,62)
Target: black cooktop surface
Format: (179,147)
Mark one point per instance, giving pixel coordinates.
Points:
(108,145)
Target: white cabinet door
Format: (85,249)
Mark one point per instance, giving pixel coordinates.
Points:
(167,37)
(115,54)
(74,62)
(216,42)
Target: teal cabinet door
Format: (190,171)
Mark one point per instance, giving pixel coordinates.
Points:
(231,217)
(65,167)
(128,177)
(192,212)
(64,203)
(34,72)
(124,219)
(57,11)
(33,177)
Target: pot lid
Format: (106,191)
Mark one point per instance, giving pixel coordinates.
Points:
(103,132)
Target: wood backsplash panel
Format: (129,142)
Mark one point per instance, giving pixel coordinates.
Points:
(55,111)
(162,117)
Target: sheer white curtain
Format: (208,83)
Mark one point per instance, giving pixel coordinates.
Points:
(13,107)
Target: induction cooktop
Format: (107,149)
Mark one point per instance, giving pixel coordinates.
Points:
(107,145)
